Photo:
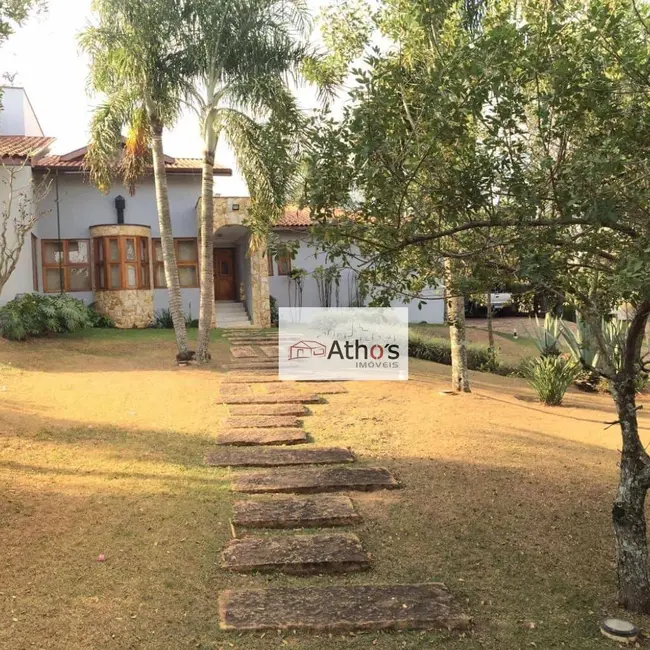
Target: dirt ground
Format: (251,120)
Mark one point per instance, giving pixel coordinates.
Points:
(101,447)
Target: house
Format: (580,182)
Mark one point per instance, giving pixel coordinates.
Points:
(105,248)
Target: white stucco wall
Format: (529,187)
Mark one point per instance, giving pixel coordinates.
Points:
(21,280)
(281,287)
(81,205)
(17,115)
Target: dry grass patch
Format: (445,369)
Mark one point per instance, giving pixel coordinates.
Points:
(102,442)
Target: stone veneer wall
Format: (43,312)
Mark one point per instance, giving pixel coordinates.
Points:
(129,308)
(224,216)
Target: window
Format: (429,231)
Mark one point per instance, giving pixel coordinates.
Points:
(270,260)
(121,263)
(187,258)
(284,265)
(66,265)
(35,262)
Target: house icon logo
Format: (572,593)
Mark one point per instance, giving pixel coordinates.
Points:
(306,350)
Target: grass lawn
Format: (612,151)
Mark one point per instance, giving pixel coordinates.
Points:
(101,447)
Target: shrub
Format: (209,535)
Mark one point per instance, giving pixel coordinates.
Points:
(275,313)
(100,320)
(162,319)
(32,315)
(439,351)
(547,335)
(550,377)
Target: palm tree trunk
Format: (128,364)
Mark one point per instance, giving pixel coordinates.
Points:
(167,239)
(456,320)
(207,254)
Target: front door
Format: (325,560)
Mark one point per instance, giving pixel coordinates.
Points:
(224,273)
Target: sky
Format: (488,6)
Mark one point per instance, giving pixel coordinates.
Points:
(47,62)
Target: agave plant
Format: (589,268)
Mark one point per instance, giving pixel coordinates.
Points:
(547,335)
(550,377)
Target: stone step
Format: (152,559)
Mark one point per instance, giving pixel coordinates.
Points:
(266,409)
(243,437)
(304,480)
(271,352)
(253,365)
(253,340)
(282,512)
(261,422)
(243,352)
(343,608)
(296,554)
(285,398)
(322,388)
(279,457)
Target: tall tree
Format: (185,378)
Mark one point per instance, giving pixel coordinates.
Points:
(521,150)
(137,63)
(242,54)
(14,13)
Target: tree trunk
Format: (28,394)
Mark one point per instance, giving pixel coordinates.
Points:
(490,326)
(167,239)
(628,511)
(207,232)
(456,320)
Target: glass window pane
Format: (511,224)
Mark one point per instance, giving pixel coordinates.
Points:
(101,278)
(187,276)
(113,250)
(160,276)
(53,252)
(144,276)
(99,250)
(130,250)
(115,279)
(186,250)
(225,268)
(52,279)
(78,279)
(131,277)
(78,252)
(144,249)
(157,251)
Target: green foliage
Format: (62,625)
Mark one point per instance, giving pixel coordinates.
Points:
(439,351)
(14,13)
(100,321)
(550,377)
(32,315)
(328,280)
(547,335)
(275,314)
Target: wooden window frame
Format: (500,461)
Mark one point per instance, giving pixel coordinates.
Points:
(285,259)
(179,263)
(34,240)
(103,262)
(65,265)
(270,263)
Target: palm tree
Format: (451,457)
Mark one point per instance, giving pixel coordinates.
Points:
(242,54)
(136,64)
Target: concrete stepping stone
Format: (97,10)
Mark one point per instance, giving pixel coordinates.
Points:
(268,409)
(261,421)
(343,608)
(243,437)
(296,554)
(270,351)
(258,340)
(254,364)
(282,512)
(285,398)
(321,389)
(277,457)
(243,352)
(262,377)
(235,389)
(326,479)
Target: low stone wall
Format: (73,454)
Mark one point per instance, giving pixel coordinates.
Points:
(128,307)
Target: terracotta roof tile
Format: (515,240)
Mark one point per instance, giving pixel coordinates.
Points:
(294,217)
(22,146)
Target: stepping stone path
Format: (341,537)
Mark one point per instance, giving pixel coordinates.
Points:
(311,512)
(260,420)
(324,553)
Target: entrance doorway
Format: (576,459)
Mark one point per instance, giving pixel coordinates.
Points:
(224,274)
